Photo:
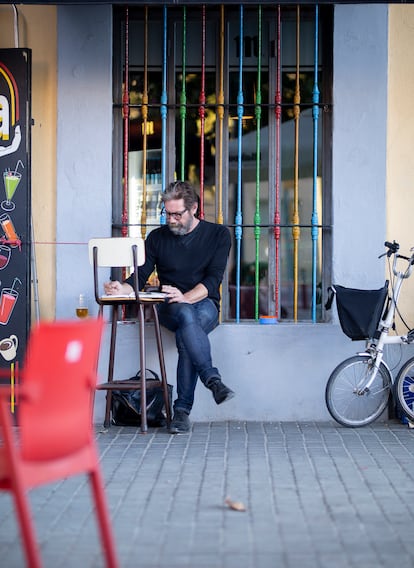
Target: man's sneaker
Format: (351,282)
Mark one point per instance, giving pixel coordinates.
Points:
(221,393)
(180,422)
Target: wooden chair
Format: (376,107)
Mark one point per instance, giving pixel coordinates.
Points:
(127,252)
(55,437)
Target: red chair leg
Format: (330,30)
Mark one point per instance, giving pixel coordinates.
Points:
(103,519)
(31,547)
(18,490)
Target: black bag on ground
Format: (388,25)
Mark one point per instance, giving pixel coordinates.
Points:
(126,404)
(359,311)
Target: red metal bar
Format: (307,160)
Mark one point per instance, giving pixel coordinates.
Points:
(144,129)
(220,115)
(278,112)
(295,213)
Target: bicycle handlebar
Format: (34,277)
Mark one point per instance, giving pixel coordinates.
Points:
(392,250)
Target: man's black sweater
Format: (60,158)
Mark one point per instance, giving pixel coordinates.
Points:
(184,261)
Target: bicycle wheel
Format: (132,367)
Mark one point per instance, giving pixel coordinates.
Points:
(404,389)
(346,398)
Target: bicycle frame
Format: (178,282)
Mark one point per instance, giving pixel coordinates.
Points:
(375,350)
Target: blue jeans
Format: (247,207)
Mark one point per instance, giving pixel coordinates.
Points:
(191,323)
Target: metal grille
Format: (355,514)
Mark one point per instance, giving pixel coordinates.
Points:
(193,100)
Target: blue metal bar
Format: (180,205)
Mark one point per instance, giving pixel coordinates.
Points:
(239,214)
(315,222)
(164,110)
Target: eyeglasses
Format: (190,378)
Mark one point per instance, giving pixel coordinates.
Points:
(175,214)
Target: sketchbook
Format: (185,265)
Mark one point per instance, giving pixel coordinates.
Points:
(142,296)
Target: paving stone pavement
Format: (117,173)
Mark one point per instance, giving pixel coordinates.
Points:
(316,495)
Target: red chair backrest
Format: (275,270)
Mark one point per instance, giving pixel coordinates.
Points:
(59,374)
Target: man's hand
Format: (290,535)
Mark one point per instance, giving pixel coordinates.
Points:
(199,292)
(115,288)
(174,294)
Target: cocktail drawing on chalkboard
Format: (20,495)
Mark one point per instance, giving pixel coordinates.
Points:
(8,299)
(11,181)
(5,253)
(10,235)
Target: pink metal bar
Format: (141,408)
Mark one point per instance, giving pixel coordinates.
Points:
(278,113)
(202,109)
(145,128)
(125,115)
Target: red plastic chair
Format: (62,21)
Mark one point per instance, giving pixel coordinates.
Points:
(54,438)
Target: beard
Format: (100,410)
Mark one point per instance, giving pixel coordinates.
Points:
(178,228)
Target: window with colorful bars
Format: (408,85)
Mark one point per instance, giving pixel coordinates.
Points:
(237,100)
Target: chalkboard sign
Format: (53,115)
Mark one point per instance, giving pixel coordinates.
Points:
(15,214)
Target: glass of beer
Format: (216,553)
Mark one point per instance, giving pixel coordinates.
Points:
(82,310)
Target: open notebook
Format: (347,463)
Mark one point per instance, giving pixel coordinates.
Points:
(142,296)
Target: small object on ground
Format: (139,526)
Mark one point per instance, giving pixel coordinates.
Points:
(235,505)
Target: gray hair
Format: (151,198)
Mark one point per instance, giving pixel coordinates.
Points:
(181,190)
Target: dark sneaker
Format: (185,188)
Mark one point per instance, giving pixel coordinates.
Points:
(180,422)
(221,393)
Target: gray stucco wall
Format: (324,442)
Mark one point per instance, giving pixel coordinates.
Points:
(84,145)
(359,143)
(279,372)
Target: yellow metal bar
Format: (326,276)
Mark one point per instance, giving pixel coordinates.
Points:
(12,389)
